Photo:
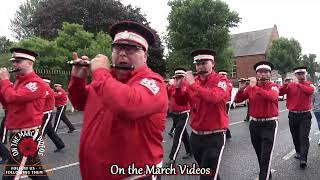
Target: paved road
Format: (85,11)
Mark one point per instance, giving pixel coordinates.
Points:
(238,163)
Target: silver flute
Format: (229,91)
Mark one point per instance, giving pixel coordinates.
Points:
(87,64)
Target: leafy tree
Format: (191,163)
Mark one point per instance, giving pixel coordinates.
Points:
(155,58)
(94,15)
(197,24)
(100,45)
(21,24)
(310,62)
(284,54)
(54,54)
(4,60)
(5,44)
(51,56)
(73,37)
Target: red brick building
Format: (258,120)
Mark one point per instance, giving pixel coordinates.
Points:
(250,48)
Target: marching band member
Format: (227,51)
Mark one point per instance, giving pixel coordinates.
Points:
(263,97)
(25,101)
(207,94)
(124,110)
(299,99)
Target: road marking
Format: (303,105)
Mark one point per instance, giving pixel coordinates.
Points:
(289,155)
(292,152)
(283,110)
(236,123)
(62,167)
(57,168)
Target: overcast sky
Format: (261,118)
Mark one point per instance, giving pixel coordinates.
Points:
(294,18)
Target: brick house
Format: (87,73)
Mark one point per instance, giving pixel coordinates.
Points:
(250,48)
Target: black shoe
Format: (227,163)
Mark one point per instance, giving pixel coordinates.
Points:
(187,156)
(246,120)
(303,164)
(297,156)
(71,130)
(170,134)
(59,149)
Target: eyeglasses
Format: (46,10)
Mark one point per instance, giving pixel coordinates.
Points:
(128,48)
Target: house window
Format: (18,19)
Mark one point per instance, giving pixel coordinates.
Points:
(234,70)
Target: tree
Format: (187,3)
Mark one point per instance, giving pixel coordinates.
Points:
(94,15)
(4,60)
(197,24)
(284,54)
(4,44)
(51,56)
(155,58)
(311,64)
(21,24)
(72,37)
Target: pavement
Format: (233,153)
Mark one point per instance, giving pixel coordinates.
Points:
(239,160)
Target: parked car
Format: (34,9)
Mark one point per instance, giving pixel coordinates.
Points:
(279,82)
(233,95)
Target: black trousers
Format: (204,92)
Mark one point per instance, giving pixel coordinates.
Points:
(173,127)
(228,133)
(180,135)
(207,151)
(12,163)
(263,134)
(4,152)
(3,130)
(300,124)
(248,111)
(48,129)
(61,115)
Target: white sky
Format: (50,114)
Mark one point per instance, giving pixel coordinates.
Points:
(294,18)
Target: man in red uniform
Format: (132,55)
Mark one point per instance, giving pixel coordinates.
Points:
(180,117)
(25,100)
(124,109)
(299,99)
(61,99)
(207,95)
(46,124)
(228,105)
(263,96)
